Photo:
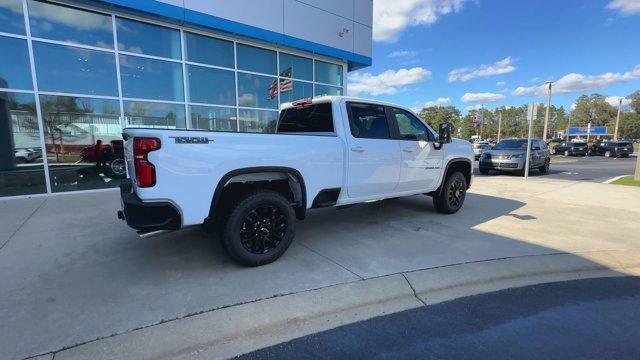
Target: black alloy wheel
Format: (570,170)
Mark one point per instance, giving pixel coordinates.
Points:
(263,229)
(455,192)
(452,194)
(258,228)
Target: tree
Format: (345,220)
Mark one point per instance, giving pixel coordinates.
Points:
(595,110)
(436,115)
(635,101)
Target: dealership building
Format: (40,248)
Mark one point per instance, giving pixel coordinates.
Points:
(73,74)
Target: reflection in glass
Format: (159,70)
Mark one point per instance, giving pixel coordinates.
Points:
(15,72)
(11,17)
(73,70)
(322,90)
(256,59)
(146,78)
(83,142)
(206,50)
(67,24)
(296,67)
(211,86)
(143,38)
(258,120)
(21,169)
(154,115)
(257,91)
(291,90)
(213,118)
(328,73)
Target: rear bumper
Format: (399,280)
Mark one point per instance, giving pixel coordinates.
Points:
(147,216)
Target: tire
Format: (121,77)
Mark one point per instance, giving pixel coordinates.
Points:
(116,168)
(567,153)
(625,155)
(544,168)
(253,246)
(452,194)
(607,153)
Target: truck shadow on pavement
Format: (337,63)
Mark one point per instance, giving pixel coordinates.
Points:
(68,278)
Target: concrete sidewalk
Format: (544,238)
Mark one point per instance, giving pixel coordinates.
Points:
(71,275)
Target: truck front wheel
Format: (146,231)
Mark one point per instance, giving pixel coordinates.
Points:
(259,228)
(451,197)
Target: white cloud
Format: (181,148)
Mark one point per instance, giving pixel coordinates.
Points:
(386,82)
(615,101)
(503,66)
(402,53)
(41,14)
(473,107)
(480,98)
(501,84)
(576,82)
(391,17)
(625,7)
(441,101)
(573,106)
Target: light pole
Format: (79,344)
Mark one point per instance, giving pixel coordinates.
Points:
(499,124)
(615,133)
(546,116)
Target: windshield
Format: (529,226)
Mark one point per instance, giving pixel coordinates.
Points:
(511,145)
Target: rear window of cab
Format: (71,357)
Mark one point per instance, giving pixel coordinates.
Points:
(314,118)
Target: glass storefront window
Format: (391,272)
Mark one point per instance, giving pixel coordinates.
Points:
(211,86)
(12,17)
(210,51)
(328,73)
(322,90)
(15,72)
(154,115)
(83,142)
(213,118)
(257,91)
(296,67)
(21,168)
(258,120)
(291,90)
(55,22)
(145,78)
(142,38)
(256,59)
(74,70)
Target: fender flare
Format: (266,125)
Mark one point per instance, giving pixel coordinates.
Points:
(446,170)
(296,184)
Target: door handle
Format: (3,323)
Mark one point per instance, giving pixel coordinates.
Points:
(357,149)
(409,150)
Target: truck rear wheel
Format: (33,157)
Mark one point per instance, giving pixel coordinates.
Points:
(452,194)
(259,228)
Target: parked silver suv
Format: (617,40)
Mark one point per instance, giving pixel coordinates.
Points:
(510,155)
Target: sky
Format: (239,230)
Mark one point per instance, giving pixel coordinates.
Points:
(500,52)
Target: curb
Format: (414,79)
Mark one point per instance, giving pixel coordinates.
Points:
(239,329)
(615,178)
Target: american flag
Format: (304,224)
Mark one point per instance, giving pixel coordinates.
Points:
(285,84)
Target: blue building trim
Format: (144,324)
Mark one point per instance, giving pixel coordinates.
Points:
(181,16)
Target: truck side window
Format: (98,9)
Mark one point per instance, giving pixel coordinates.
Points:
(368,121)
(410,127)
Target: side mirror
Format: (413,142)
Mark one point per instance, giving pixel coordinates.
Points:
(444,133)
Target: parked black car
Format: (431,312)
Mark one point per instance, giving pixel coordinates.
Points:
(619,148)
(569,148)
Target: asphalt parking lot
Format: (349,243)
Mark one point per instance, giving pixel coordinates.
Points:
(581,168)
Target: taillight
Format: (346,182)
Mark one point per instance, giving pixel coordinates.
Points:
(145,171)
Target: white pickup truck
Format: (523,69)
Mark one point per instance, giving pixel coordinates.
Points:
(329,151)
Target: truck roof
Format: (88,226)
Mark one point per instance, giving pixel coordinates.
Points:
(334,98)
